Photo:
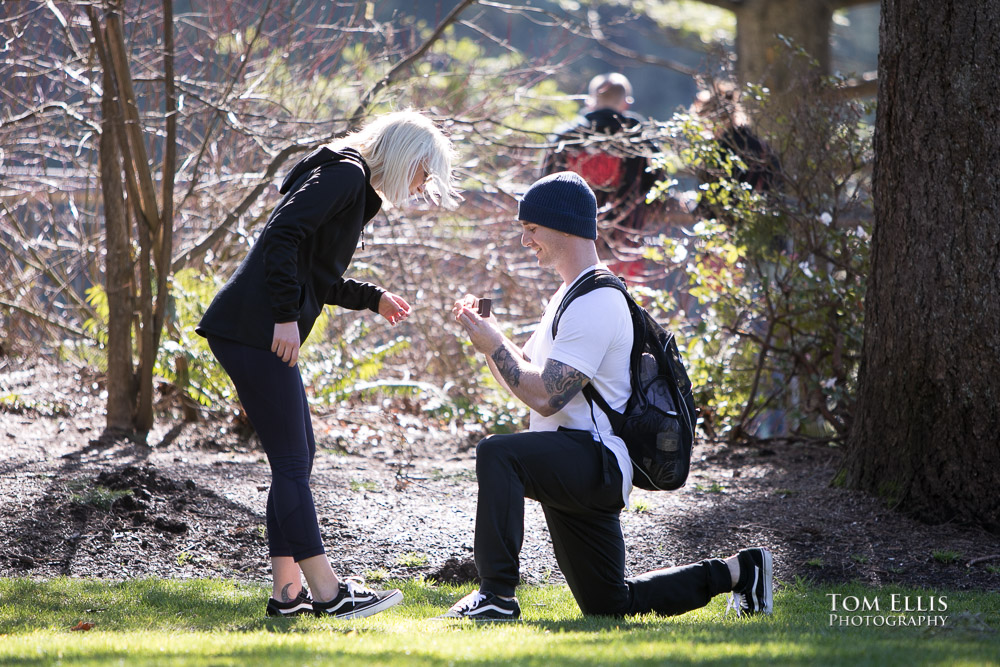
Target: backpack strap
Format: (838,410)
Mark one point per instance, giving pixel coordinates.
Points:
(586,284)
(594,280)
(593,396)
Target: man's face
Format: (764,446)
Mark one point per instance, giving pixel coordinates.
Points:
(546,243)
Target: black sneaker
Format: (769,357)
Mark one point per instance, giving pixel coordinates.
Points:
(484,607)
(753,593)
(356,600)
(302,604)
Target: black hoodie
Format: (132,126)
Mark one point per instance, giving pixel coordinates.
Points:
(298,262)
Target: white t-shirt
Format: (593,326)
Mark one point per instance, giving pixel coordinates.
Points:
(595,338)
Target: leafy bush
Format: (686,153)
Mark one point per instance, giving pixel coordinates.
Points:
(186,363)
(89,351)
(184,359)
(778,275)
(349,364)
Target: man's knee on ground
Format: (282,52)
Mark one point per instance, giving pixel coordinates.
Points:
(604,608)
(604,600)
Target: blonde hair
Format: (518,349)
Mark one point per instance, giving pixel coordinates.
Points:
(395,145)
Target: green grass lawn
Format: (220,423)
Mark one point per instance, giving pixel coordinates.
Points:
(211,622)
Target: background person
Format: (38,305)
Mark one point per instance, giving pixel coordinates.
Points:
(569,460)
(605,145)
(259,318)
(718,103)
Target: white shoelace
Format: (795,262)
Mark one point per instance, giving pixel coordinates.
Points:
(738,603)
(469,602)
(356,586)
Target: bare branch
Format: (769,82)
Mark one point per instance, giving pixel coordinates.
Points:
(163,243)
(731,5)
(982,559)
(49,106)
(42,317)
(867,86)
(406,62)
(216,235)
(137,162)
(64,25)
(845,4)
(231,84)
(737,5)
(598,35)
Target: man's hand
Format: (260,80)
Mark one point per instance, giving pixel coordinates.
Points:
(483,331)
(545,390)
(286,342)
(393,308)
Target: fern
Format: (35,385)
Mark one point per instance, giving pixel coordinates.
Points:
(348,368)
(184,358)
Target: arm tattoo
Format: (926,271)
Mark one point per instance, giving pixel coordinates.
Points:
(562,382)
(507,366)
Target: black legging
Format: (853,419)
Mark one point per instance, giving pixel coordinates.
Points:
(275,402)
(578,483)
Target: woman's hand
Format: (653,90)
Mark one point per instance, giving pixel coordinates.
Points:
(393,308)
(286,342)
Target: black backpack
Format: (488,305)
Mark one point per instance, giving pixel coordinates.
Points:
(659,419)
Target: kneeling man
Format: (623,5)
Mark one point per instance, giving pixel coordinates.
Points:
(569,460)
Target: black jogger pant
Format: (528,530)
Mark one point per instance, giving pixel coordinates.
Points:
(578,483)
(275,402)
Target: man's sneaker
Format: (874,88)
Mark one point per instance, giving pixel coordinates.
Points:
(356,600)
(484,607)
(753,593)
(302,604)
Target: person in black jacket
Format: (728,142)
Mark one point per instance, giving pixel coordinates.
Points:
(257,321)
(718,103)
(606,145)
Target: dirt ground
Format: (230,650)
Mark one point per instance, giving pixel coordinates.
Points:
(396,495)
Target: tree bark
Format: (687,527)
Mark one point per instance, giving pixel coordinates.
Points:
(119,283)
(926,430)
(165,238)
(758,45)
(807,23)
(139,179)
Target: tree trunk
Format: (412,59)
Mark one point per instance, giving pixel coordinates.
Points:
(118,278)
(154,225)
(759,56)
(165,239)
(926,430)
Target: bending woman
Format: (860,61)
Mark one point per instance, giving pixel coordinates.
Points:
(261,315)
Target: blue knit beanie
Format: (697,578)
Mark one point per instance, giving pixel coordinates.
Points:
(561,201)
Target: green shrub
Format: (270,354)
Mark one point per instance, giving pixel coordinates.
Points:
(778,276)
(184,359)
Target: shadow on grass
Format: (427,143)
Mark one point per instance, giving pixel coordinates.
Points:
(706,646)
(59,604)
(212,622)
